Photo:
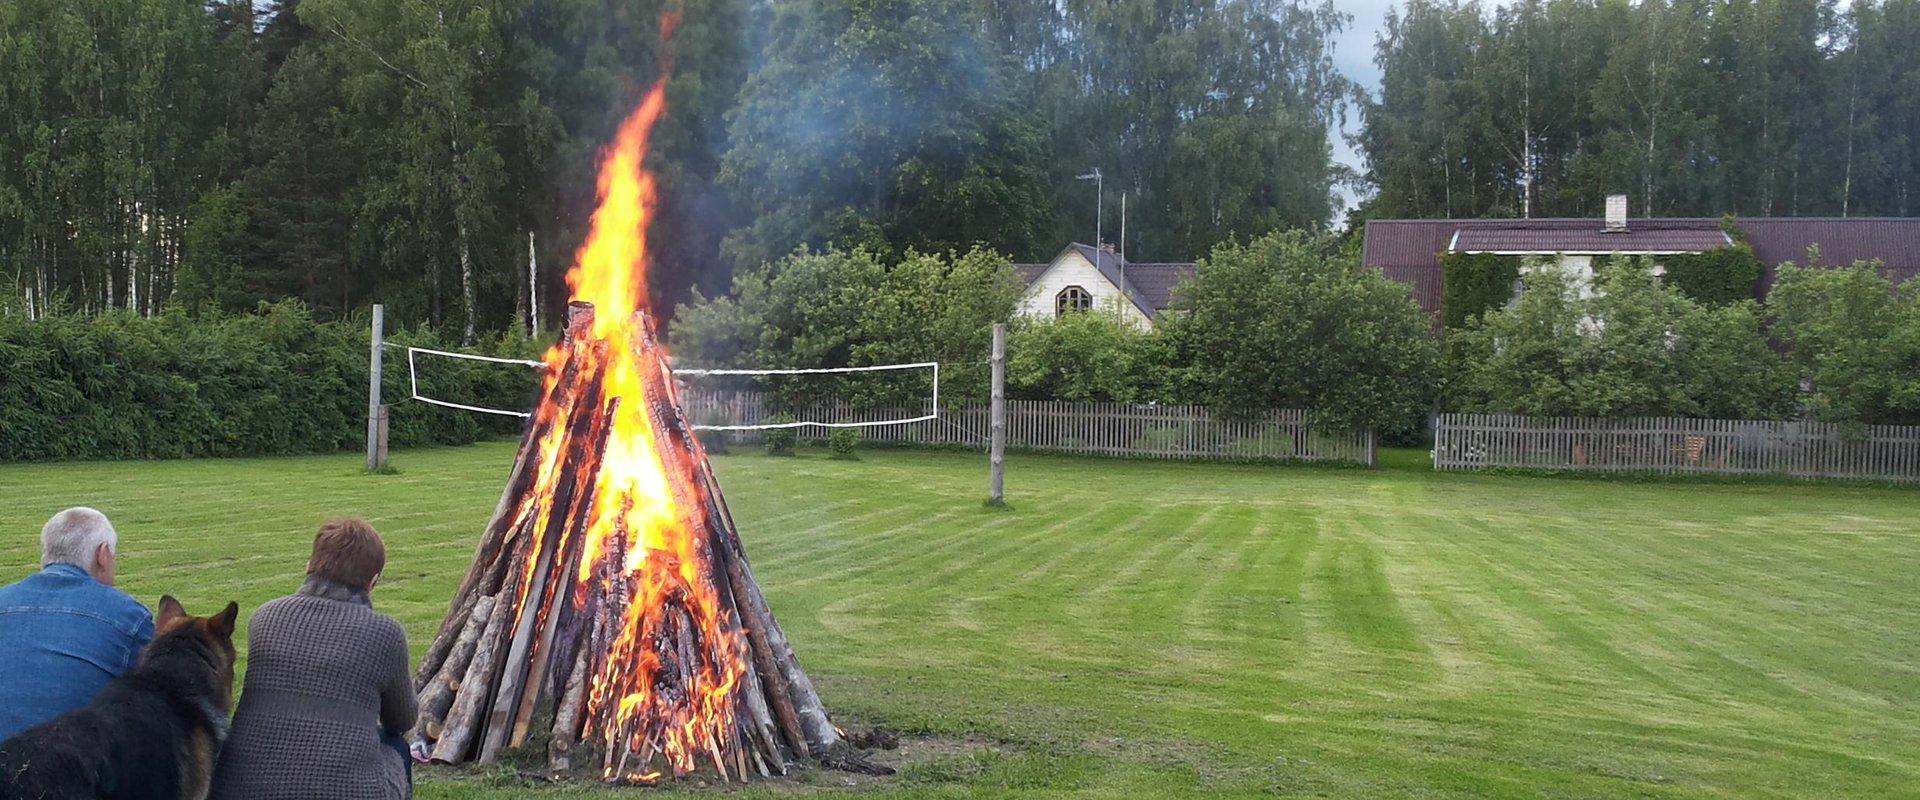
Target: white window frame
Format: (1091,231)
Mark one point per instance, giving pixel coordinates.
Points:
(1084,302)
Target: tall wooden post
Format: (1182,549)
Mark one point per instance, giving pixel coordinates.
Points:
(997,446)
(376,449)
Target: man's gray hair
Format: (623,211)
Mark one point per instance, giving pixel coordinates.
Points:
(72,536)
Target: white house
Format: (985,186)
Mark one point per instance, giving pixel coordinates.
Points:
(1081,277)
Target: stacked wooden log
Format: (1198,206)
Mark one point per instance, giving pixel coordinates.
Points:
(533,633)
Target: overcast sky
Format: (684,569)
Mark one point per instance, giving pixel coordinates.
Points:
(1353,54)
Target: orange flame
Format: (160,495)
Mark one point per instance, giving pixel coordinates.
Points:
(640,546)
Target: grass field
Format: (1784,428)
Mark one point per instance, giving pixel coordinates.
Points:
(1152,629)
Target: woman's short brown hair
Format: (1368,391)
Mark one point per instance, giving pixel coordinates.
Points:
(349,552)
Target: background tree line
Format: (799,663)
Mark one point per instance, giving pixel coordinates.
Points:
(213,154)
(1693,107)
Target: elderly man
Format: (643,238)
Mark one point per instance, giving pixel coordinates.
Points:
(65,631)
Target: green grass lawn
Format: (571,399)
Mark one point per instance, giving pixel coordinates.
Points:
(1134,628)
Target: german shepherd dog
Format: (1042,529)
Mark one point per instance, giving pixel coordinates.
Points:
(152,734)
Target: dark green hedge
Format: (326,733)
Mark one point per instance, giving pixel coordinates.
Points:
(118,386)
(1475,283)
(1715,277)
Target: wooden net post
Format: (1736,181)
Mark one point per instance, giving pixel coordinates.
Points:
(997,421)
(376,441)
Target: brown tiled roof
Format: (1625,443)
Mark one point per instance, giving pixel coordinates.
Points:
(1895,241)
(1408,250)
(1155,280)
(1590,240)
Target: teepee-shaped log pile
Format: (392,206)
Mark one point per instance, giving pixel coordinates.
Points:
(654,653)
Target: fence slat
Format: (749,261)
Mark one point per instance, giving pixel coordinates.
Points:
(1084,428)
(1671,445)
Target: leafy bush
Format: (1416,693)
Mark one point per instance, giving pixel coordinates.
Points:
(842,442)
(1853,338)
(118,386)
(1093,356)
(1715,277)
(779,441)
(850,308)
(1475,283)
(1635,347)
(1289,321)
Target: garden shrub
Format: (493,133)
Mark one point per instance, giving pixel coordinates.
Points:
(277,382)
(779,441)
(1854,338)
(1288,321)
(1091,356)
(842,442)
(1635,347)
(1095,356)
(854,308)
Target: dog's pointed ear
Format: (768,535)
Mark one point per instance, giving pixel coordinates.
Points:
(170,610)
(223,624)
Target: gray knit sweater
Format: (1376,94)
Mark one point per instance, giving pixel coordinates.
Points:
(326,676)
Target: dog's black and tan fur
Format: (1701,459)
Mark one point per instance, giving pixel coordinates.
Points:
(152,734)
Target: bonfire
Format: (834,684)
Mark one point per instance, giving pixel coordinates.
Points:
(610,601)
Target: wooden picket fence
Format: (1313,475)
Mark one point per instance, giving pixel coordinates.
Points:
(1057,426)
(1671,445)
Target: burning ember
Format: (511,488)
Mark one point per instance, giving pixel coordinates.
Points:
(610,583)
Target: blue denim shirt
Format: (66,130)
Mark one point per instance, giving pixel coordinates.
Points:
(63,636)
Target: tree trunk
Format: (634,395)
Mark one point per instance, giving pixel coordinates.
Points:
(466,277)
(1846,182)
(533,288)
(520,289)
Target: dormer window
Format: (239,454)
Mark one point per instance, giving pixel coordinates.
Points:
(1071,299)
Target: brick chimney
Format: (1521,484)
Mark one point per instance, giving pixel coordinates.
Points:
(1616,213)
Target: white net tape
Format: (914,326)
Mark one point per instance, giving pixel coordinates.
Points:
(413,379)
(413,384)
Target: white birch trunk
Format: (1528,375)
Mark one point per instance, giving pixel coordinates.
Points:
(466,277)
(533,289)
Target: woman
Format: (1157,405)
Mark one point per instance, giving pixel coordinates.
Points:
(328,699)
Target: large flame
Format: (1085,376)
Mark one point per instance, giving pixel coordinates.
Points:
(640,546)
